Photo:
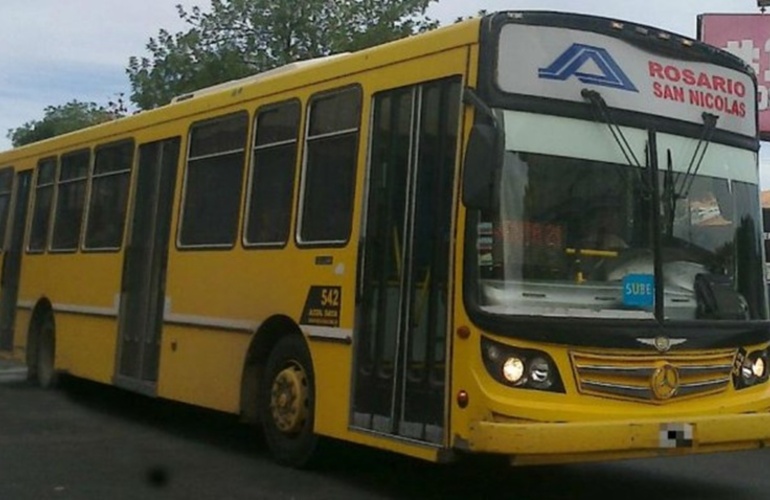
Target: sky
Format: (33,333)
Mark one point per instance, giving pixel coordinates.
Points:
(54,51)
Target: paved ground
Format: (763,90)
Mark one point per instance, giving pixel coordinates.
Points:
(92,442)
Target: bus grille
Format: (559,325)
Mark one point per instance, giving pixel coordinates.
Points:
(657,379)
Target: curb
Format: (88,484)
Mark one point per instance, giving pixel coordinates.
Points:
(11,370)
(14,374)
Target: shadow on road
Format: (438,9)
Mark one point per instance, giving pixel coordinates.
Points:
(186,421)
(491,477)
(386,475)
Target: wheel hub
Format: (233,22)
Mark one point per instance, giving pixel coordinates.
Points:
(289,399)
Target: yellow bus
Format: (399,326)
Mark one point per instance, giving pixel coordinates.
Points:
(532,234)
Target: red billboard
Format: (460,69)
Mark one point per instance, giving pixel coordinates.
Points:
(748,37)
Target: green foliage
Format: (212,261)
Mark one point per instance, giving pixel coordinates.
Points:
(237,38)
(482,13)
(65,118)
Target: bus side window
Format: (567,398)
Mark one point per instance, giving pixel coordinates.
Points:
(109,196)
(41,215)
(70,200)
(6,188)
(272,174)
(330,167)
(213,182)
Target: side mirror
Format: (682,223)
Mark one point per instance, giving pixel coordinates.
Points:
(483,159)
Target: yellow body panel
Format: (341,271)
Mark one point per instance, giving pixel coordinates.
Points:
(332,364)
(539,443)
(88,351)
(202,367)
(21,324)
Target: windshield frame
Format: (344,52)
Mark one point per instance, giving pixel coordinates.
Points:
(624,329)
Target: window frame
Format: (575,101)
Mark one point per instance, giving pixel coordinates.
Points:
(180,245)
(59,182)
(93,176)
(306,139)
(298,141)
(8,209)
(35,188)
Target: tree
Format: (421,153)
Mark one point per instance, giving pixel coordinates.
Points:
(65,118)
(243,37)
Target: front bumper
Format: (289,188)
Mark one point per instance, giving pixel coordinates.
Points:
(547,443)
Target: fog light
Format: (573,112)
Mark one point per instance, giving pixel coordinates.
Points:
(758,367)
(540,373)
(513,370)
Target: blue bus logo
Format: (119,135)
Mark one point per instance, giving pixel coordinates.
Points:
(574,59)
(639,290)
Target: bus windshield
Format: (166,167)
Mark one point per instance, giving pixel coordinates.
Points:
(573,232)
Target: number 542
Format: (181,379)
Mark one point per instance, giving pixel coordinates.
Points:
(330,297)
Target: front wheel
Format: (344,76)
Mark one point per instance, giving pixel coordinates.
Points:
(45,372)
(287,402)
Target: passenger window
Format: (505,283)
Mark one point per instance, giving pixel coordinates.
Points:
(213,182)
(330,167)
(70,200)
(109,196)
(41,216)
(272,174)
(6,188)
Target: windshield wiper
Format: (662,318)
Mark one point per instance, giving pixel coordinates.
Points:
(602,113)
(657,244)
(709,125)
(596,99)
(669,196)
(671,193)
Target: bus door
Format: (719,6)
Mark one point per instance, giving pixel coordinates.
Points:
(13,250)
(400,375)
(143,287)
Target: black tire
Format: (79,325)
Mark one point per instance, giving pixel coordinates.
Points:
(45,372)
(287,402)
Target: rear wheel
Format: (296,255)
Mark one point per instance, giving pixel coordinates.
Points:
(45,374)
(287,402)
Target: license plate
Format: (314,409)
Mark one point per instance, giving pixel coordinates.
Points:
(676,435)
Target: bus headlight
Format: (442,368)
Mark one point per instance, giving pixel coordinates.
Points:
(520,368)
(513,370)
(752,369)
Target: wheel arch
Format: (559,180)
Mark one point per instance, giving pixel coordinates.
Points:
(262,343)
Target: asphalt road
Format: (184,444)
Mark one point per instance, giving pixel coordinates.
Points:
(91,442)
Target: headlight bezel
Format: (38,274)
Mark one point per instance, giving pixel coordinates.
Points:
(746,367)
(539,371)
